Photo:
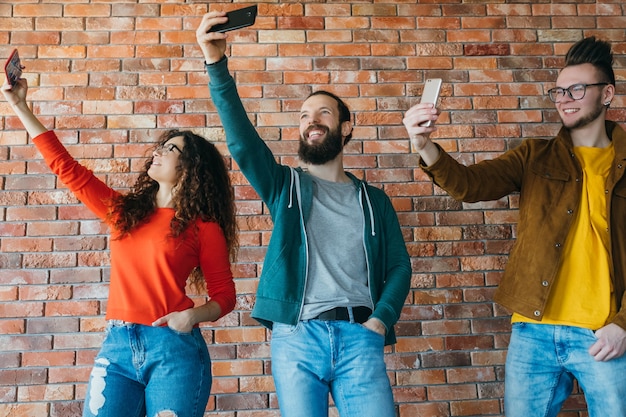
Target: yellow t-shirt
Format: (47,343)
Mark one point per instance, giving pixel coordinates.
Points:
(582,291)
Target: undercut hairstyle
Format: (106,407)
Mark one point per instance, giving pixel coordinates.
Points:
(595,52)
(344,111)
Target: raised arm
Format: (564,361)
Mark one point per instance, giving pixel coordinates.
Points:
(253,156)
(81,181)
(16,97)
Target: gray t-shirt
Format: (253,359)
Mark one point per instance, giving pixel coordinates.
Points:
(337,275)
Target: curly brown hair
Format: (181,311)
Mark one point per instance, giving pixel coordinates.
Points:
(204,192)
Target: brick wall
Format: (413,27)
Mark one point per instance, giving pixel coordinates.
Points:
(109,75)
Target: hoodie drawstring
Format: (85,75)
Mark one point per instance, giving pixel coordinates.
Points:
(293,180)
(369,207)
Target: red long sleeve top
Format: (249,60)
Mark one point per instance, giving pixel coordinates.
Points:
(149,268)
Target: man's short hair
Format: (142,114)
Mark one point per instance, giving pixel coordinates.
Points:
(595,52)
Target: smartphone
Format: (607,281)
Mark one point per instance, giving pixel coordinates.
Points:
(431,94)
(13,68)
(237,19)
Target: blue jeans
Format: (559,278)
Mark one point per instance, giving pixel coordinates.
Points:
(315,358)
(541,365)
(143,370)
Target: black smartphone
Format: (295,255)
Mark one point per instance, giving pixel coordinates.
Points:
(237,19)
(13,68)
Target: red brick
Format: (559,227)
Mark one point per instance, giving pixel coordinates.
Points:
(45,292)
(10,359)
(54,358)
(409,394)
(22,376)
(477,407)
(477,374)
(451,392)
(424,409)
(71,308)
(256,384)
(7,395)
(24,409)
(242,402)
(62,392)
(21,309)
(64,375)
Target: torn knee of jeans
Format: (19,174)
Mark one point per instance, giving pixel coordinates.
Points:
(165,413)
(97,385)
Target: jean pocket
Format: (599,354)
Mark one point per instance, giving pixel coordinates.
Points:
(178,332)
(371,332)
(284,330)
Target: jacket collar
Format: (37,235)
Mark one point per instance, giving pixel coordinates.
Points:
(616,134)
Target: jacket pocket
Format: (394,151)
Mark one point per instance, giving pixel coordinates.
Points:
(546,185)
(549,172)
(547,193)
(620,190)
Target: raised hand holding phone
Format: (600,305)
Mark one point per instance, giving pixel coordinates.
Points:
(13,68)
(16,98)
(237,19)
(419,120)
(432,86)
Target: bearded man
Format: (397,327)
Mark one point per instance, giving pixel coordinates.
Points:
(336,273)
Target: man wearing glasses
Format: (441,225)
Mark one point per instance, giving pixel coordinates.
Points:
(566,275)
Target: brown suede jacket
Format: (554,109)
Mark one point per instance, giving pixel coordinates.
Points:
(549,179)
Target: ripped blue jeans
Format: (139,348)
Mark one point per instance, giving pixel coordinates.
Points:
(149,371)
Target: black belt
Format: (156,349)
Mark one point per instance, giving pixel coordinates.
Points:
(360,314)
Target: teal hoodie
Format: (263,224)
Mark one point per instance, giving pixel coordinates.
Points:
(288,193)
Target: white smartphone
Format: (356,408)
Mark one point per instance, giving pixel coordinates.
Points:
(432,86)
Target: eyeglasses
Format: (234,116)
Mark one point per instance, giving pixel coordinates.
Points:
(164,149)
(575,92)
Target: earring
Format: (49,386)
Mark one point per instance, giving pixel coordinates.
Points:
(607,103)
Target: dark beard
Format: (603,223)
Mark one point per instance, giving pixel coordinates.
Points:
(585,120)
(320,153)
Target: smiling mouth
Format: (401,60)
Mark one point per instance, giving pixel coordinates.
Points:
(315,132)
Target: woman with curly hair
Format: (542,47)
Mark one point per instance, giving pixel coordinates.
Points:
(177,225)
